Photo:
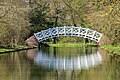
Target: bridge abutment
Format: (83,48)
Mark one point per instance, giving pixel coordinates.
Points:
(32,41)
(104,41)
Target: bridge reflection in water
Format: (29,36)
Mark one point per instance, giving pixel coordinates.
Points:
(65,63)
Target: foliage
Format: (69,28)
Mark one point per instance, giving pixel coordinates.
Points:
(13,25)
(102,16)
(19,19)
(105,19)
(112,49)
(38,17)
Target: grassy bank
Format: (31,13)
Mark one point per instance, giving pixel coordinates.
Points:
(112,49)
(17,48)
(70,44)
(5,50)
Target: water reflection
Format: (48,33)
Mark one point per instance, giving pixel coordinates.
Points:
(21,66)
(66,63)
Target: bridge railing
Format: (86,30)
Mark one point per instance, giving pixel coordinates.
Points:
(68,31)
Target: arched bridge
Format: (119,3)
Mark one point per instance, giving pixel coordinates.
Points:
(68,31)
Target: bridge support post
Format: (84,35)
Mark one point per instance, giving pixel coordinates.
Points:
(86,40)
(39,45)
(54,40)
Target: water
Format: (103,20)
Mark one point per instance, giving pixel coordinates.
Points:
(83,63)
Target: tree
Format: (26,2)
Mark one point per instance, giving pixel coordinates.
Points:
(38,17)
(13,24)
(106,19)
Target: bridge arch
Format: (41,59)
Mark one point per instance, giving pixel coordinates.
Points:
(68,31)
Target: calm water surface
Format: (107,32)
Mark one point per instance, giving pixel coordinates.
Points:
(51,63)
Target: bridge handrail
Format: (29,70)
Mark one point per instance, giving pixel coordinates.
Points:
(68,31)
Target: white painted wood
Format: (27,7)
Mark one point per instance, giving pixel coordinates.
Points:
(56,32)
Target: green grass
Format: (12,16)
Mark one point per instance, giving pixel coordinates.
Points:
(112,49)
(23,47)
(19,47)
(5,50)
(70,44)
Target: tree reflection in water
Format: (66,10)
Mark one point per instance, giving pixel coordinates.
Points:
(28,65)
(65,67)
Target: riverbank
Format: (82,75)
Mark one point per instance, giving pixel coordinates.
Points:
(18,48)
(114,49)
(70,44)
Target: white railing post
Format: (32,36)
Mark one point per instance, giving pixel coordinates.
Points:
(36,37)
(100,37)
(86,32)
(72,31)
(93,35)
(57,31)
(50,33)
(64,30)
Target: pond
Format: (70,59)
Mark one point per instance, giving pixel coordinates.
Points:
(52,63)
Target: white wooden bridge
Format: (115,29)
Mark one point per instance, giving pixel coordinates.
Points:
(68,31)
